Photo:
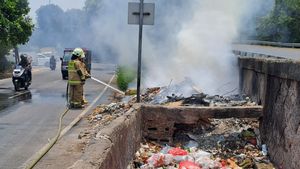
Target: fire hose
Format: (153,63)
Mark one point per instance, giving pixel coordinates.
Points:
(53,140)
(105,84)
(44,150)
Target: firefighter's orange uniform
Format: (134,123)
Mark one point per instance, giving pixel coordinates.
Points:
(76,80)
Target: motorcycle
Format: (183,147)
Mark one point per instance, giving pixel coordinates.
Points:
(20,78)
(53,66)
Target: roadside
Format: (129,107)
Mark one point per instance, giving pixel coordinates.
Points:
(70,147)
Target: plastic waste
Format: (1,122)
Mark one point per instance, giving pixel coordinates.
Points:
(188,165)
(201,154)
(165,150)
(177,152)
(159,159)
(207,163)
(183,158)
(203,159)
(264,149)
(191,144)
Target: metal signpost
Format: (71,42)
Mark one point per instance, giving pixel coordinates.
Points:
(141,14)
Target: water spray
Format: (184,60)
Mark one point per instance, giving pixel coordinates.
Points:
(105,84)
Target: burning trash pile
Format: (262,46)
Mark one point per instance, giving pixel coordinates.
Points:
(167,96)
(226,144)
(181,93)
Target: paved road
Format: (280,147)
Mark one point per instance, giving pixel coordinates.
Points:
(292,53)
(29,118)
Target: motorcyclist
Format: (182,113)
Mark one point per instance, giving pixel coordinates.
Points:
(52,62)
(26,65)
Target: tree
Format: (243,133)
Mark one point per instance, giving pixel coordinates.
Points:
(50,25)
(15,26)
(282,24)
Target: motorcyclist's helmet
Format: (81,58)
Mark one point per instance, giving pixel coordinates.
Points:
(78,52)
(22,56)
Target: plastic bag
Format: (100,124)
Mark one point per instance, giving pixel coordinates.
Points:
(207,163)
(202,158)
(183,158)
(159,159)
(166,149)
(188,165)
(177,152)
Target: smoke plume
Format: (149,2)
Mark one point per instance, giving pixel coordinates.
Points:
(190,39)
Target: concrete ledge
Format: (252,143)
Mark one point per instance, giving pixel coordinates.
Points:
(115,145)
(189,115)
(282,68)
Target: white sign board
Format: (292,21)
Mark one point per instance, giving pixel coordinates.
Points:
(134,14)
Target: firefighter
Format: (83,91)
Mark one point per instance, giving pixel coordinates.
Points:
(86,74)
(76,79)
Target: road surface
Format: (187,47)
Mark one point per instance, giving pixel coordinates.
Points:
(28,119)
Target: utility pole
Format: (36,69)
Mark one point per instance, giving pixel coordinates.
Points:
(138,93)
(140,14)
(16,51)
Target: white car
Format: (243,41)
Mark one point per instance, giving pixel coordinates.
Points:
(43,60)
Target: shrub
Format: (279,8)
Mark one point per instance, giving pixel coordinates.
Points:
(125,75)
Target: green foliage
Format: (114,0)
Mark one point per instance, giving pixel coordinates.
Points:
(15,26)
(125,75)
(282,24)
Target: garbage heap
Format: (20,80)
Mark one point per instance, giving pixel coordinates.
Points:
(225,144)
(214,143)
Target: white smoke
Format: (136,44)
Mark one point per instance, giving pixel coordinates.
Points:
(203,48)
(190,38)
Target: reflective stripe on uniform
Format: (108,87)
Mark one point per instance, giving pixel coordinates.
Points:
(75,103)
(74,77)
(71,65)
(74,82)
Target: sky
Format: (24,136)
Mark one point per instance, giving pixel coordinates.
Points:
(64,4)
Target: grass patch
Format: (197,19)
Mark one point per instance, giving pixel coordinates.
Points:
(125,75)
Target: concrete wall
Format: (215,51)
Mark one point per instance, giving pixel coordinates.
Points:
(274,82)
(115,145)
(159,122)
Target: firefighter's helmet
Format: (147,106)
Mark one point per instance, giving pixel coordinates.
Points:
(78,52)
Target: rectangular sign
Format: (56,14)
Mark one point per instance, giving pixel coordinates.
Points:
(134,14)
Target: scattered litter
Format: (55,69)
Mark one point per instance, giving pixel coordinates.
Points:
(225,144)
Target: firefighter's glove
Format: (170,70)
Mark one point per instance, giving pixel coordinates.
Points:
(87,76)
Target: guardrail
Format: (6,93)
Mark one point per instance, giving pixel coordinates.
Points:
(268,43)
(253,54)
